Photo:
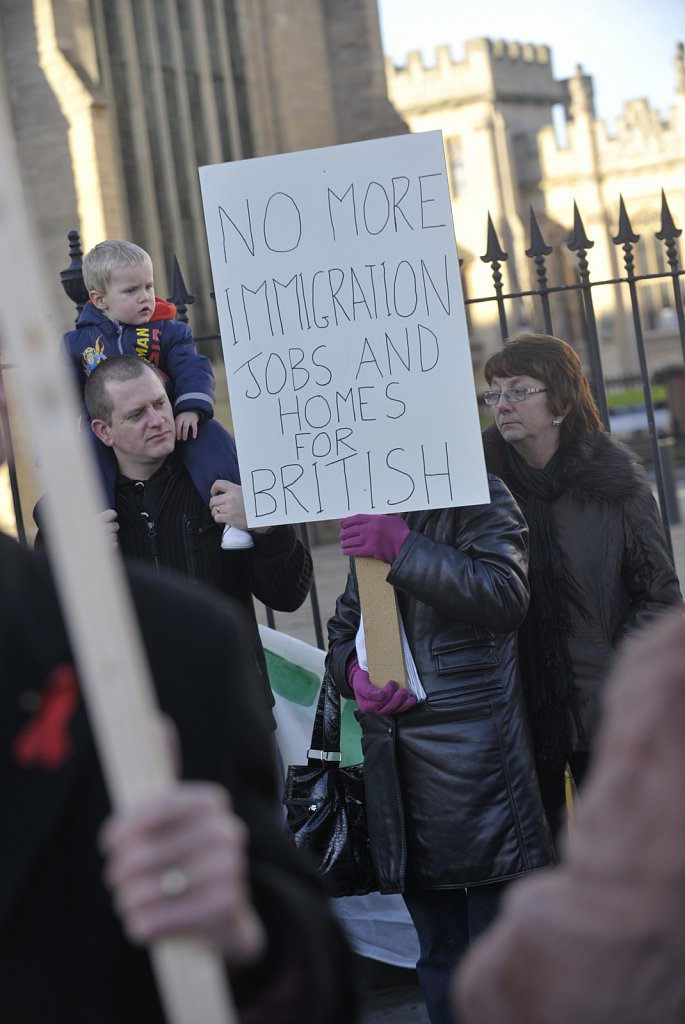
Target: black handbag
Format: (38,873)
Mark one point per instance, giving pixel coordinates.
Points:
(326,812)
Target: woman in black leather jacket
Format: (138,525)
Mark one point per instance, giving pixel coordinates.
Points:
(452,798)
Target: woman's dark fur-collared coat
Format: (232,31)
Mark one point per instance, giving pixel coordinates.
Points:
(618,569)
(450,784)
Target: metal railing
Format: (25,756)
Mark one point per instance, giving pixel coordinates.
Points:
(581,289)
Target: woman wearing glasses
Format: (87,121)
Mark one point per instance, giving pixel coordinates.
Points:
(599,563)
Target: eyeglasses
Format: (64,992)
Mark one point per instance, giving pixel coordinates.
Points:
(511,395)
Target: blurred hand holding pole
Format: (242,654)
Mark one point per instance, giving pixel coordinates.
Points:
(90,580)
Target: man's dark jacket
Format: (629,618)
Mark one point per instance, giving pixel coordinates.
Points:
(164,521)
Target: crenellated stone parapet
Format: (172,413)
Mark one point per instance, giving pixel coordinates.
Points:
(490,70)
(643,142)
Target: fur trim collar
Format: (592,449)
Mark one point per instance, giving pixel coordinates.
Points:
(596,469)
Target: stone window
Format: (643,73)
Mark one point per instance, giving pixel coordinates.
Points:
(455,164)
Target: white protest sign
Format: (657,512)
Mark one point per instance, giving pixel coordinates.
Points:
(343,329)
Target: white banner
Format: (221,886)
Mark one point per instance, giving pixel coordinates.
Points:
(377,926)
(343,329)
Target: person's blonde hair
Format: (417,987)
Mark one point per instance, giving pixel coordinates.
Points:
(108,256)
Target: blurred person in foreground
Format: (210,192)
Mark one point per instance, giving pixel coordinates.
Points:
(81,889)
(601,939)
(600,566)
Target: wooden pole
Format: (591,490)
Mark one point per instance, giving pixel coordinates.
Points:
(91,583)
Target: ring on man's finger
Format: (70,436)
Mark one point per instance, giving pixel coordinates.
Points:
(174,882)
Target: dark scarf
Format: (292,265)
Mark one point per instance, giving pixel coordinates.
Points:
(546,671)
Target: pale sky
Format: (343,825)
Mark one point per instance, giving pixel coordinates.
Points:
(628,46)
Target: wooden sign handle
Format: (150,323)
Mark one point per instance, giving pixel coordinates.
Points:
(381,623)
(96,606)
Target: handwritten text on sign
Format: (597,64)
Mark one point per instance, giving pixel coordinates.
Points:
(343,329)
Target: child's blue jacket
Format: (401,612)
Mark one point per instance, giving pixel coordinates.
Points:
(164,342)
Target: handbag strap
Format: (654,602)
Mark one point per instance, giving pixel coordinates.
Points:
(325,745)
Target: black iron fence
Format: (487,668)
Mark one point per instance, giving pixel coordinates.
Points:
(581,290)
(564,307)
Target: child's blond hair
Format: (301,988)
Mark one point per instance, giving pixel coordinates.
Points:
(108,256)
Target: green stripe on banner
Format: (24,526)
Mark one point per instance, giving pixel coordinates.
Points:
(298,685)
(350,735)
(290,681)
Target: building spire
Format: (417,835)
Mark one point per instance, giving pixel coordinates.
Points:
(581,94)
(679,65)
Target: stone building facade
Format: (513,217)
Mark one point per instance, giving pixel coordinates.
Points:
(116,103)
(507,152)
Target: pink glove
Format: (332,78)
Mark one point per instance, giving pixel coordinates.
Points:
(392,699)
(378,537)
